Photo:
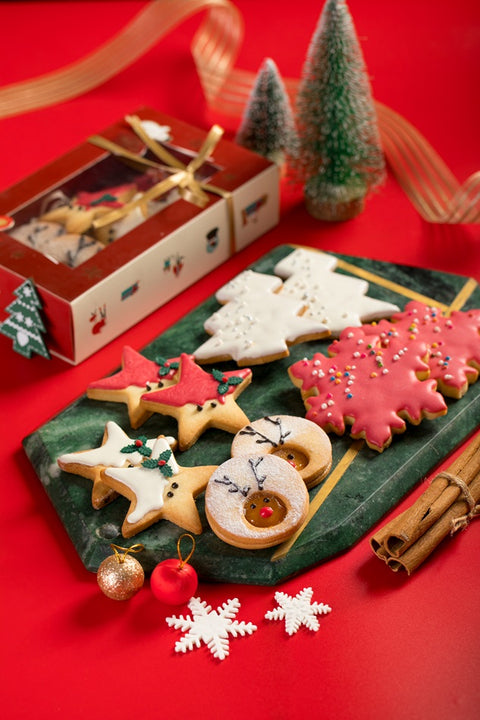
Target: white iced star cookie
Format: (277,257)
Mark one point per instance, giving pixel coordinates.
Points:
(159,488)
(298,610)
(117,450)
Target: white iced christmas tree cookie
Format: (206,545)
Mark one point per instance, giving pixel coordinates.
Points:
(338,301)
(257,323)
(298,610)
(211,627)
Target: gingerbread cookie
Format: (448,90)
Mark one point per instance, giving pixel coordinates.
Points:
(200,400)
(257,324)
(298,440)
(453,343)
(371,386)
(117,450)
(137,376)
(159,488)
(255,501)
(336,300)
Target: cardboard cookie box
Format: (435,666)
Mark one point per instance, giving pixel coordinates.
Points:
(105,245)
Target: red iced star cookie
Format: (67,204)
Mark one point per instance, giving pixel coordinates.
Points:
(200,400)
(138,375)
(372,386)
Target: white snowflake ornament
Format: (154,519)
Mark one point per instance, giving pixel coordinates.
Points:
(298,610)
(212,627)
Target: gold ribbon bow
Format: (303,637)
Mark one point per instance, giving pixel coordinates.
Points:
(182,176)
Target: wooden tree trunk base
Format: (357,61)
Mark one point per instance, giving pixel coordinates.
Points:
(334,211)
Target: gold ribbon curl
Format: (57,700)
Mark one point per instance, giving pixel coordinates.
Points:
(182,176)
(425,178)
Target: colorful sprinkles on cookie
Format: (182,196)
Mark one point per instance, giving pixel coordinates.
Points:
(453,343)
(368,384)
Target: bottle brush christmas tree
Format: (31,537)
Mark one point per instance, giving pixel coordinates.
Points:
(267,125)
(340,156)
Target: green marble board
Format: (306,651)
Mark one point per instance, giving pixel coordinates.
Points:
(370,487)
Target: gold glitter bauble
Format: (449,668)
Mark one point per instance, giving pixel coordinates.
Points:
(120,579)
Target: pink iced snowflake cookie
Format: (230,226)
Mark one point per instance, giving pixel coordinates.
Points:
(372,386)
(453,343)
(138,376)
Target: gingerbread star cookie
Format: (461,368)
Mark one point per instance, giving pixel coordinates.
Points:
(372,386)
(159,488)
(453,343)
(201,400)
(117,450)
(137,376)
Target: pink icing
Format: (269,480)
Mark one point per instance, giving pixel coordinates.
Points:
(370,384)
(136,370)
(453,341)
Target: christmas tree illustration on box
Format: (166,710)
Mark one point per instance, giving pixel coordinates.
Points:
(24,324)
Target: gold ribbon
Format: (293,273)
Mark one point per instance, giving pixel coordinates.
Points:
(425,178)
(182,176)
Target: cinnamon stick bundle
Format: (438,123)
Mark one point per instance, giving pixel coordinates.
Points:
(448,504)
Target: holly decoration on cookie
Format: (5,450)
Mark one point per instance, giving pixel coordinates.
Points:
(161,463)
(225,381)
(453,342)
(372,386)
(139,445)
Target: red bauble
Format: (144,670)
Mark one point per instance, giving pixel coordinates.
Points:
(173,581)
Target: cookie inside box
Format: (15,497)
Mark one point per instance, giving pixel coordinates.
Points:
(62,223)
(365,488)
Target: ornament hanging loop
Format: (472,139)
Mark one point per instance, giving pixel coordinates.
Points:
(138,547)
(182,560)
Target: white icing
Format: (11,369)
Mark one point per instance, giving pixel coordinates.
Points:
(109,454)
(337,300)
(147,484)
(256,322)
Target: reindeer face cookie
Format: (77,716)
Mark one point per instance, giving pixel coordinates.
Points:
(299,441)
(255,501)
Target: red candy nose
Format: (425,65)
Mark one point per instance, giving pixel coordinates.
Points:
(265,512)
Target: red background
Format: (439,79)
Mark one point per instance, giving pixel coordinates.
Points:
(393,647)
